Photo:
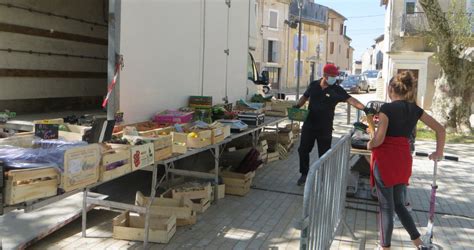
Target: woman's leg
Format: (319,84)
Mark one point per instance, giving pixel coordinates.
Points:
(385,197)
(404,215)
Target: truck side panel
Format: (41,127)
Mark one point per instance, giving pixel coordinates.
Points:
(29,79)
(161,46)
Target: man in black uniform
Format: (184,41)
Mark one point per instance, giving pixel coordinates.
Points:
(323,95)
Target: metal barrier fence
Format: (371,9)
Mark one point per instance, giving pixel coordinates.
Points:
(324,197)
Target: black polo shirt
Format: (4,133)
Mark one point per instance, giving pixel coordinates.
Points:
(322,103)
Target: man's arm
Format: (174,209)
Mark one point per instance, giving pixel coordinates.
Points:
(355,103)
(301,101)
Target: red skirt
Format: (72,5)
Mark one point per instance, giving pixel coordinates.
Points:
(394,161)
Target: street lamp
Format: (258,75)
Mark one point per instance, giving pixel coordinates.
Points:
(300,7)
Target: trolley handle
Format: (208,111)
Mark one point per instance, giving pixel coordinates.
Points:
(446,157)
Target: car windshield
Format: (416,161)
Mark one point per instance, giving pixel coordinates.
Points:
(352,79)
(371,74)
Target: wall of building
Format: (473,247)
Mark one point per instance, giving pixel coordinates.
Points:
(35,81)
(338,57)
(367,59)
(315,35)
(266,33)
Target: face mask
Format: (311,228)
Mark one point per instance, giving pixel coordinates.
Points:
(331,80)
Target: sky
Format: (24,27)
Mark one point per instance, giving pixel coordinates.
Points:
(365,21)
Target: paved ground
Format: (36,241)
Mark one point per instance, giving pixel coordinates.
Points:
(265,218)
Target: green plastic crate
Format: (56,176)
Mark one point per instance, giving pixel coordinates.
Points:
(296,114)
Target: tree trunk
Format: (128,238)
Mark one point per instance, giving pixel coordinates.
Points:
(450,108)
(453,91)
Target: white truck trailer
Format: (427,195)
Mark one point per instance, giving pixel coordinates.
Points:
(62,54)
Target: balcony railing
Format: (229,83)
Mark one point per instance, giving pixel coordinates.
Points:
(414,24)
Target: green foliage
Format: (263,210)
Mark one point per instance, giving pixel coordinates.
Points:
(423,133)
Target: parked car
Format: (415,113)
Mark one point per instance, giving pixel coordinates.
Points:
(371,76)
(355,84)
(342,76)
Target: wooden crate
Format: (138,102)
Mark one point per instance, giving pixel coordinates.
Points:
(220,192)
(273,156)
(163,153)
(236,183)
(200,192)
(203,139)
(115,163)
(81,167)
(156,132)
(201,205)
(30,184)
(180,141)
(182,208)
(129,226)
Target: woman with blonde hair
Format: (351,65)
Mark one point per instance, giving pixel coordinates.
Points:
(391,164)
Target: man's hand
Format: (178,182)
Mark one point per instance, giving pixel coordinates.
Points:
(369,111)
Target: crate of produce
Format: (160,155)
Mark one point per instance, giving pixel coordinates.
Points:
(161,206)
(200,101)
(173,117)
(30,184)
(157,131)
(115,162)
(163,153)
(180,143)
(236,183)
(198,138)
(128,226)
(297,114)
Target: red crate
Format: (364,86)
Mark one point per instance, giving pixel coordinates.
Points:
(172,117)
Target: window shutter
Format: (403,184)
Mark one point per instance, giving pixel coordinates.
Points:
(265,50)
(273,19)
(304,41)
(276,51)
(295,42)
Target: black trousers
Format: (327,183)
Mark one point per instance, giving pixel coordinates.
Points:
(308,137)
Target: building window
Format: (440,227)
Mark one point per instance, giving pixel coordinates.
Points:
(301,68)
(272,51)
(341,29)
(304,42)
(273,19)
(410,6)
(331,48)
(332,24)
(347,53)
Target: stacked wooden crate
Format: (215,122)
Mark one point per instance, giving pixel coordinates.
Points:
(128,226)
(237,183)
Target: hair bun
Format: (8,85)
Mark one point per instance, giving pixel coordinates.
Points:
(406,77)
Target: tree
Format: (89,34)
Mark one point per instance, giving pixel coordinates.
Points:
(451,34)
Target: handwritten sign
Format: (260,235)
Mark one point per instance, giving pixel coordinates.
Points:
(47,131)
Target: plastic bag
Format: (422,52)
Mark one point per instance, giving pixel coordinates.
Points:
(43,153)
